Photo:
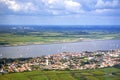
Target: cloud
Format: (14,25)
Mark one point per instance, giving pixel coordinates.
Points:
(50,7)
(103,10)
(19,6)
(107,4)
(107,7)
(73,6)
(58,7)
(62,6)
(12,5)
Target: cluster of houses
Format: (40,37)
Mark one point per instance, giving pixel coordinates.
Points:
(65,61)
(84,60)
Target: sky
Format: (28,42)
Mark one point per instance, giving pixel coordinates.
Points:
(60,12)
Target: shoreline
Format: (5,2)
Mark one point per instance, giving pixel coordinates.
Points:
(49,43)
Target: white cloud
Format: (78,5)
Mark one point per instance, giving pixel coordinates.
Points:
(18,6)
(52,1)
(11,4)
(107,7)
(115,3)
(64,6)
(103,10)
(53,4)
(72,6)
(107,4)
(57,7)
(99,4)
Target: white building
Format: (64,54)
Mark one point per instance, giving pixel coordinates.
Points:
(47,61)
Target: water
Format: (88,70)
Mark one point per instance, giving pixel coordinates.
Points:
(39,50)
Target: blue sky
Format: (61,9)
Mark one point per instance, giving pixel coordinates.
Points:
(60,12)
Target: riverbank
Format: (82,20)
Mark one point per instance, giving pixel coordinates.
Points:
(51,35)
(47,49)
(48,43)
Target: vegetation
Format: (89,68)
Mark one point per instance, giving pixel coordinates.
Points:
(21,35)
(98,74)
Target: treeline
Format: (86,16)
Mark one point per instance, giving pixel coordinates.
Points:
(4,61)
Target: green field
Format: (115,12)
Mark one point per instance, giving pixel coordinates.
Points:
(56,34)
(15,39)
(98,74)
(51,37)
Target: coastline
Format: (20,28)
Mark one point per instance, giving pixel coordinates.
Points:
(49,43)
(35,50)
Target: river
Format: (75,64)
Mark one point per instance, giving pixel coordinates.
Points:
(46,49)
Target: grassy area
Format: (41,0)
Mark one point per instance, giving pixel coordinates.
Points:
(15,39)
(56,34)
(98,74)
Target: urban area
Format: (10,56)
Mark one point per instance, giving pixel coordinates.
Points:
(63,61)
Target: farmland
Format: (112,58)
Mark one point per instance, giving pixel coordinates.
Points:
(22,35)
(97,74)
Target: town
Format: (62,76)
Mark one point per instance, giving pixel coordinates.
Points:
(63,61)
